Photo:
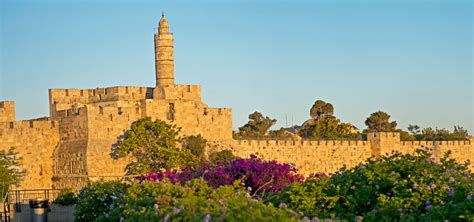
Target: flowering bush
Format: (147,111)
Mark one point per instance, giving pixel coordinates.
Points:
(392,188)
(194,201)
(257,175)
(97,199)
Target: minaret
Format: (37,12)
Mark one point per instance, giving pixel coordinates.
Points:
(164,58)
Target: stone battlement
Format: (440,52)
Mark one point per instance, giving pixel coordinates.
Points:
(283,143)
(29,124)
(7,111)
(436,143)
(62,99)
(383,135)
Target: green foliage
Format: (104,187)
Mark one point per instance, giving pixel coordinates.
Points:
(221,156)
(405,136)
(153,146)
(320,109)
(459,133)
(257,127)
(379,122)
(392,188)
(97,199)
(196,145)
(10,171)
(66,197)
(324,125)
(328,127)
(195,201)
(307,197)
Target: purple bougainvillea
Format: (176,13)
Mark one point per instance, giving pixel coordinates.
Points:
(257,175)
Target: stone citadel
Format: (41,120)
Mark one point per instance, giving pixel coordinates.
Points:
(73,145)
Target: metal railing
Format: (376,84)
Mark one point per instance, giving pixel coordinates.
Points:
(5,208)
(19,197)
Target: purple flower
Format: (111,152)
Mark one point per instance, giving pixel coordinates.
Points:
(207,218)
(450,192)
(428,202)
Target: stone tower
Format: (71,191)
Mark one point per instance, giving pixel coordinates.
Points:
(164,58)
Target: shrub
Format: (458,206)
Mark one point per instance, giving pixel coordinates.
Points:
(222,156)
(258,175)
(66,197)
(196,145)
(392,188)
(97,199)
(194,201)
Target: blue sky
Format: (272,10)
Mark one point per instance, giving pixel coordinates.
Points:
(412,59)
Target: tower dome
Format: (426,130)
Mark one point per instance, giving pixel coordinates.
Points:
(163,27)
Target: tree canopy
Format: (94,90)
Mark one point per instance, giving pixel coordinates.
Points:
(257,126)
(153,146)
(324,125)
(321,109)
(10,171)
(459,133)
(380,122)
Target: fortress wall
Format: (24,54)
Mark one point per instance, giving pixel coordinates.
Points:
(323,156)
(461,151)
(7,111)
(70,156)
(62,99)
(217,124)
(106,126)
(194,118)
(178,92)
(35,142)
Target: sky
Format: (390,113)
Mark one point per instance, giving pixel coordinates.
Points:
(411,59)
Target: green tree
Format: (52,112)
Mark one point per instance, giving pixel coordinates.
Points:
(10,171)
(196,145)
(324,125)
(459,133)
(257,126)
(321,109)
(379,122)
(328,127)
(153,146)
(221,156)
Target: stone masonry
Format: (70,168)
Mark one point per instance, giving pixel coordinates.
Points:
(74,144)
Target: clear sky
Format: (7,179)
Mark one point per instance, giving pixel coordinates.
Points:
(412,59)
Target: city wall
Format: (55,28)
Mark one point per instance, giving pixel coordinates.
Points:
(327,156)
(63,99)
(35,142)
(7,111)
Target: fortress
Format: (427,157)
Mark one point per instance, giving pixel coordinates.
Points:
(73,145)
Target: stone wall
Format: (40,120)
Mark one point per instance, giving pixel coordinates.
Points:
(63,99)
(309,156)
(35,142)
(70,159)
(7,111)
(327,156)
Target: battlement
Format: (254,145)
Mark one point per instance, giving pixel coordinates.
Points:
(218,111)
(436,143)
(376,135)
(178,92)
(7,111)
(283,143)
(29,124)
(62,99)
